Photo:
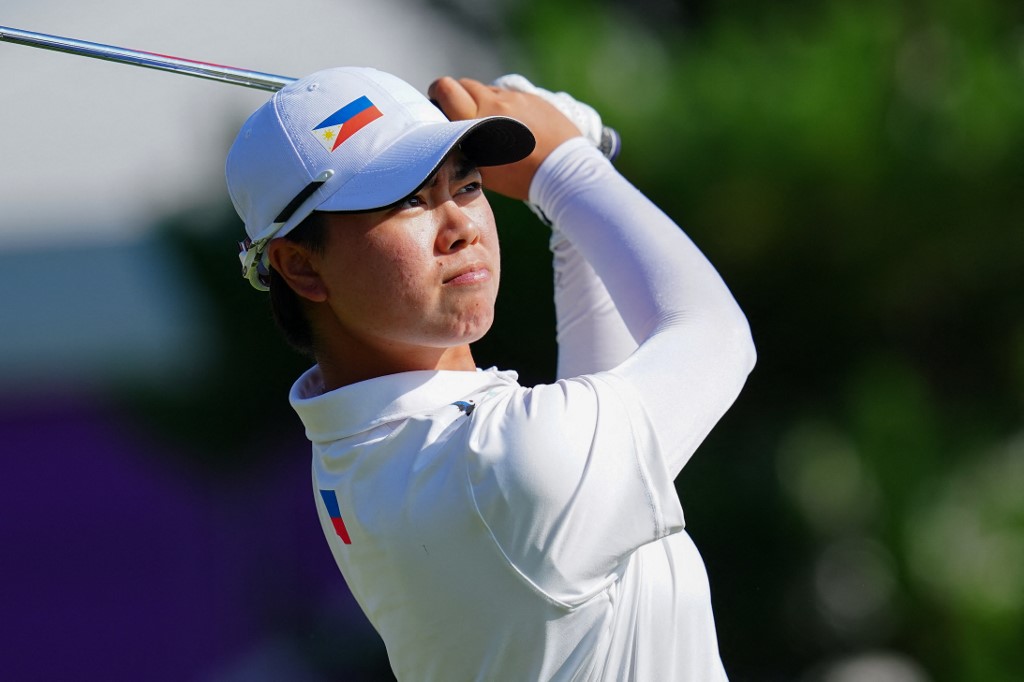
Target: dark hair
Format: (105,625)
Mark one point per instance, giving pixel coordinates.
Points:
(287,306)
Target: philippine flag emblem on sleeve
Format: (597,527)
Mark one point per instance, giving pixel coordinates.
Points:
(331,503)
(346,122)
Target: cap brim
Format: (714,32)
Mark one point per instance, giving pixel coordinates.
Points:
(497,140)
(410,161)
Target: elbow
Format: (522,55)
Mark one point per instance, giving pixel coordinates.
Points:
(746,342)
(723,337)
(738,339)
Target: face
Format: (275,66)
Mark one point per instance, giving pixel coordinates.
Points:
(423,273)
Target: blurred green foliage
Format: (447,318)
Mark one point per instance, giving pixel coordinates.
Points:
(856,172)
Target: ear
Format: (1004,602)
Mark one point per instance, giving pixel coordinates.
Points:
(297,265)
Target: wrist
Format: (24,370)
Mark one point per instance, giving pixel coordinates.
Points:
(547,171)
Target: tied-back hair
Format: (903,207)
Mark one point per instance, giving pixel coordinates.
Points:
(285,304)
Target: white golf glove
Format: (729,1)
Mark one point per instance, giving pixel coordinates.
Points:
(582,115)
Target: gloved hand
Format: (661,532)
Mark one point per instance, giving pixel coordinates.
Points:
(582,115)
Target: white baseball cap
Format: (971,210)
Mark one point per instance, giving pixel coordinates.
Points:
(347,139)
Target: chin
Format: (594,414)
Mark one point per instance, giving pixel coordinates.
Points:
(473,330)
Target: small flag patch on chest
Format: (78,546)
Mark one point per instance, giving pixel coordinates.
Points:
(330,499)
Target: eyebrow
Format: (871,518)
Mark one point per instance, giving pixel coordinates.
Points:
(464,167)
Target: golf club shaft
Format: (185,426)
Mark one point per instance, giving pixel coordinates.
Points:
(149,60)
(609,143)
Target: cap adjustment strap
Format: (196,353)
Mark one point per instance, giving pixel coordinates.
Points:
(255,265)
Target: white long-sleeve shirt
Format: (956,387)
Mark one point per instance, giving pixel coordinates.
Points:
(496,532)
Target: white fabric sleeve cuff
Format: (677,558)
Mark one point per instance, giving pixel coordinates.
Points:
(548,168)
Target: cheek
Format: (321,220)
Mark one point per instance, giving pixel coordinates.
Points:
(409,261)
(391,271)
(483,217)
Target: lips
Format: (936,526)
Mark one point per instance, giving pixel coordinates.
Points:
(474,273)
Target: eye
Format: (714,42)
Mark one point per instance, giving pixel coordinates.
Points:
(471,187)
(410,202)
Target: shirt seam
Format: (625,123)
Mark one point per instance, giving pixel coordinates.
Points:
(658,528)
(508,560)
(638,462)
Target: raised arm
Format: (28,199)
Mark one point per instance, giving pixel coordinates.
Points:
(695,347)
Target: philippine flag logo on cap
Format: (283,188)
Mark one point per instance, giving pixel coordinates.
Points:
(346,122)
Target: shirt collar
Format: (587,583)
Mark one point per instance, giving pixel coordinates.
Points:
(361,406)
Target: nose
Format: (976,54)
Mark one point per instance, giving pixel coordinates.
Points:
(456,228)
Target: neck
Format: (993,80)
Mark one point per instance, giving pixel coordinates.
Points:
(342,367)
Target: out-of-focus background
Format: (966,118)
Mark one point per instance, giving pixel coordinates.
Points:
(855,169)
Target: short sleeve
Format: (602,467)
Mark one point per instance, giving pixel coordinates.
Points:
(570,479)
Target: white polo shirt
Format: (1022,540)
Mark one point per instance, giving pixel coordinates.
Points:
(495,532)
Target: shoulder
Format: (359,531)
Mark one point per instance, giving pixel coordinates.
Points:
(538,440)
(561,478)
(543,415)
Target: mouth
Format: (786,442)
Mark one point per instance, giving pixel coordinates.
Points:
(475,273)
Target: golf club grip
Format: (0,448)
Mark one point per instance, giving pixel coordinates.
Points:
(610,140)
